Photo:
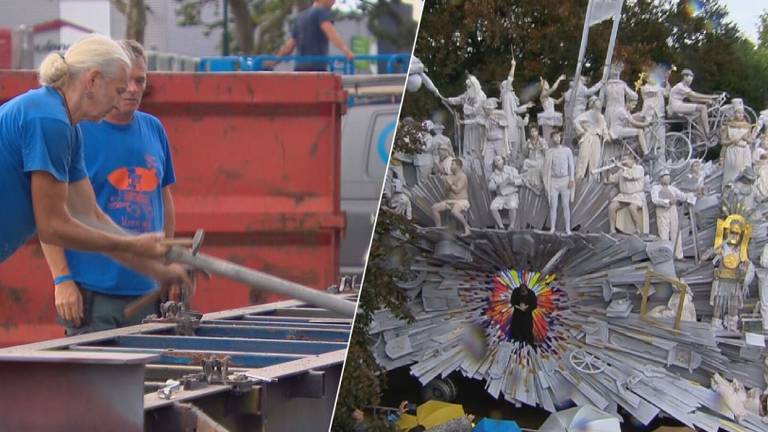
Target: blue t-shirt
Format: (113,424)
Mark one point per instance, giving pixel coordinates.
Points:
(128,166)
(309,37)
(35,135)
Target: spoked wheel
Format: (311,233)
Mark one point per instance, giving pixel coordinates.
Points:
(586,362)
(699,143)
(677,150)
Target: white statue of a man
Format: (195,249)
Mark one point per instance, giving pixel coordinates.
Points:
(425,160)
(592,131)
(693,180)
(559,176)
(549,119)
(625,125)
(697,106)
(654,108)
(396,195)
(533,165)
(735,154)
(630,177)
(614,94)
(457,199)
(504,182)
(583,95)
(666,199)
(510,104)
(445,157)
(472,108)
(495,142)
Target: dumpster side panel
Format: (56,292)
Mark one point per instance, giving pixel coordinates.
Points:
(257,159)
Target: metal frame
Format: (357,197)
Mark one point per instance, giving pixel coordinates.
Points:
(291,353)
(681,286)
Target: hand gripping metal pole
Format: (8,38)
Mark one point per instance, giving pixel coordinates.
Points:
(262,280)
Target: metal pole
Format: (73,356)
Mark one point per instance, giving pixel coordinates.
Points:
(264,281)
(225,47)
(612,43)
(574,93)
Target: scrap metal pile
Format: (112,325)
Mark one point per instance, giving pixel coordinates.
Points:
(608,325)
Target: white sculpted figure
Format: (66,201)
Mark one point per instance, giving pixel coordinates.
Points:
(495,137)
(630,177)
(666,199)
(654,108)
(396,195)
(761,184)
(761,147)
(762,275)
(425,160)
(417,75)
(592,131)
(559,175)
(510,104)
(440,141)
(735,397)
(504,183)
(615,93)
(457,200)
(693,180)
(735,154)
(697,106)
(549,118)
(625,125)
(582,97)
(533,165)
(743,190)
(445,157)
(472,108)
(670,309)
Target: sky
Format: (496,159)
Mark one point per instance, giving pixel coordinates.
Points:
(745,13)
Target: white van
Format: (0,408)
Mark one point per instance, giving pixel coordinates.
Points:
(366,139)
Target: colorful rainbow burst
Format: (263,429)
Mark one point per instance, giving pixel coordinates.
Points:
(545,316)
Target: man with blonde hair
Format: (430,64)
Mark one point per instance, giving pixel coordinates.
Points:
(129,164)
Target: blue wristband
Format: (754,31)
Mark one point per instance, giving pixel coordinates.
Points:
(63,278)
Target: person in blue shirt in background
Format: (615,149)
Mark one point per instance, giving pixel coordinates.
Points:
(310,34)
(43,179)
(129,164)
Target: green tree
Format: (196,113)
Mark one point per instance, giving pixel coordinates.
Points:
(394,242)
(135,12)
(458,36)
(762,31)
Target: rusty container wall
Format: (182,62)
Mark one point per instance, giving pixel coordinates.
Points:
(257,160)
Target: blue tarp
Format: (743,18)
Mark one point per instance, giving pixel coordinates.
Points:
(492,425)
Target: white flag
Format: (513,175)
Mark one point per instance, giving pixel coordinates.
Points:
(601,10)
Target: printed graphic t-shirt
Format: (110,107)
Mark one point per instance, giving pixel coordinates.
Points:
(35,135)
(128,166)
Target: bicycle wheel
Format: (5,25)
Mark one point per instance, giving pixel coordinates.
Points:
(699,143)
(677,150)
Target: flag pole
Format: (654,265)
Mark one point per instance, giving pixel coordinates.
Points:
(612,43)
(582,52)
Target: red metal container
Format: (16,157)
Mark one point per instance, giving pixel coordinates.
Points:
(257,160)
